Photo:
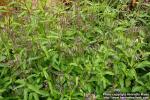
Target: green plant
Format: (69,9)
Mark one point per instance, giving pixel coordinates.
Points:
(66,53)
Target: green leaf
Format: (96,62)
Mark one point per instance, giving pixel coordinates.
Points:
(36,89)
(2,58)
(2,90)
(1,98)
(132,73)
(49,98)
(127,82)
(121,82)
(108,73)
(143,64)
(147,74)
(50,87)
(46,74)
(31,96)
(20,81)
(139,82)
(36,97)
(3,65)
(25,94)
(137,89)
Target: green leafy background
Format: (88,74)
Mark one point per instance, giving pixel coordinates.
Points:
(66,52)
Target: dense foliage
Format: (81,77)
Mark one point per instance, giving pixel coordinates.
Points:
(66,52)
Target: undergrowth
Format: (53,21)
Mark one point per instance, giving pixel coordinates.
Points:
(66,52)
